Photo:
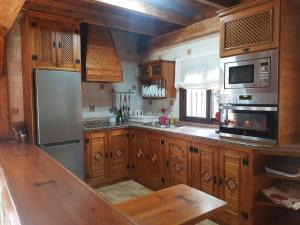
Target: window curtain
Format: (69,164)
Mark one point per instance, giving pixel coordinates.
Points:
(197,72)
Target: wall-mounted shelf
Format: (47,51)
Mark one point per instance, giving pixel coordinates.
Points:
(278,177)
(161,73)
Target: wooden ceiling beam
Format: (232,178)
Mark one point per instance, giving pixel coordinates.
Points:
(9,10)
(136,6)
(196,30)
(219,4)
(93,16)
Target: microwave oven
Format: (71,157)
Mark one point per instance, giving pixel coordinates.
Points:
(250,78)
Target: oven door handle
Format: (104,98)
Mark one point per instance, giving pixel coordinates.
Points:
(250,108)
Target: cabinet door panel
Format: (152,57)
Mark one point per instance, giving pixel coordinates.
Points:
(251,29)
(67,40)
(232,172)
(44,42)
(178,166)
(118,142)
(207,163)
(155,161)
(140,155)
(95,156)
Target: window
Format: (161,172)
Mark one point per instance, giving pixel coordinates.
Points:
(198,105)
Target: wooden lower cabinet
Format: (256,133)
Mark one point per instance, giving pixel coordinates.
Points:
(156,173)
(118,145)
(149,159)
(106,156)
(178,161)
(234,182)
(95,159)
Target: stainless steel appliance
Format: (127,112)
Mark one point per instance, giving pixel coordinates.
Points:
(249,122)
(59,117)
(250,79)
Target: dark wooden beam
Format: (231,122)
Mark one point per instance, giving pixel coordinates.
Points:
(193,31)
(219,4)
(93,15)
(137,6)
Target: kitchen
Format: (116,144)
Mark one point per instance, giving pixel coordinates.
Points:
(138,99)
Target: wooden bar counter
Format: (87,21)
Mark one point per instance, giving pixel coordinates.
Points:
(36,190)
(42,192)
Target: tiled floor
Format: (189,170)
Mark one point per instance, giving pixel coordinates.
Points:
(127,190)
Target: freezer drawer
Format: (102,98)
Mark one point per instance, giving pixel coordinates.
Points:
(70,155)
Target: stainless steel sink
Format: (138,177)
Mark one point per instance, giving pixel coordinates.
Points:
(158,125)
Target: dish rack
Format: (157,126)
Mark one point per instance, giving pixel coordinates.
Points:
(154,89)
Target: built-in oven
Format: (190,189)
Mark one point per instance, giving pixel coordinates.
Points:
(249,122)
(254,75)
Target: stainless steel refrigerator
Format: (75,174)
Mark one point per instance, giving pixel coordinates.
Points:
(59,117)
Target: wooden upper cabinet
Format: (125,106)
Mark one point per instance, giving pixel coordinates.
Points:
(68,43)
(159,70)
(118,144)
(56,44)
(250,27)
(44,43)
(102,60)
(178,161)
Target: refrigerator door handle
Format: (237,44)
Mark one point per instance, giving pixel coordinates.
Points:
(61,143)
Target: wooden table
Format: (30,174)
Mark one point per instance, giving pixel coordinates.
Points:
(179,204)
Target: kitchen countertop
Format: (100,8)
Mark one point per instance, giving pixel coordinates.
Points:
(44,192)
(106,126)
(202,133)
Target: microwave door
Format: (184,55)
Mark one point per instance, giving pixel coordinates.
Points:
(241,74)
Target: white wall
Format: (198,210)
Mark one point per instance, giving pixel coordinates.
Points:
(201,46)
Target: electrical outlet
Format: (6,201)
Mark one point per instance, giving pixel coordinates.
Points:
(189,51)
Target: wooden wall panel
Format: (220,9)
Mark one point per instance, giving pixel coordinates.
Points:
(1,55)
(4,109)
(289,96)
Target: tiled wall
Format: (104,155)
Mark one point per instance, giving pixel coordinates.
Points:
(96,99)
(14,70)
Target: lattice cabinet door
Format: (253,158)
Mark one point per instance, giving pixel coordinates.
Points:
(250,29)
(44,43)
(68,51)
